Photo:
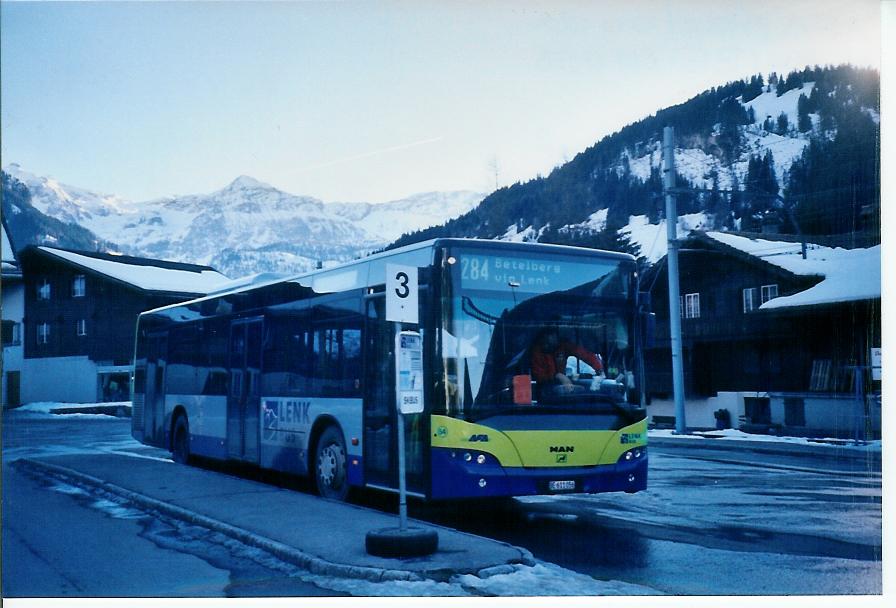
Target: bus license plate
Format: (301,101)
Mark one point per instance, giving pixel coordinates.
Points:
(560,486)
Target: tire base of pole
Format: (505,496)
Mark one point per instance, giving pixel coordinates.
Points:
(393,542)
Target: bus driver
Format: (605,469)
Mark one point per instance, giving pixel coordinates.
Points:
(549,359)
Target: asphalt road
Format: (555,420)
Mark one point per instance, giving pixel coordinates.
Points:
(711,522)
(59,541)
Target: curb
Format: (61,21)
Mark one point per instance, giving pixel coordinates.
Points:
(313,564)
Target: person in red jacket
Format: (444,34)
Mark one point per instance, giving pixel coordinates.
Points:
(549,358)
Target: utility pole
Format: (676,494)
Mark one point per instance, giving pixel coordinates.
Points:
(672,266)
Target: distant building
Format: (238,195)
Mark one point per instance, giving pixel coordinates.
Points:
(772,335)
(80,315)
(13,306)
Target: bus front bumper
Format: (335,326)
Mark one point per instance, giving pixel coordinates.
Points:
(463,474)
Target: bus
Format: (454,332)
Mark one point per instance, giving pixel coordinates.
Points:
(299,375)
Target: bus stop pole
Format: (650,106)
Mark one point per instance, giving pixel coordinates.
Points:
(402,491)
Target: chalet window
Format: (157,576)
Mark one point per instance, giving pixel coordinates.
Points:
(43,333)
(43,290)
(82,327)
(79,288)
(769,292)
(751,299)
(690,308)
(12,333)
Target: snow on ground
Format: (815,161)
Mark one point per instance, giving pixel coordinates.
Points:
(520,236)
(651,238)
(596,222)
(55,408)
(697,166)
(728,434)
(769,105)
(548,579)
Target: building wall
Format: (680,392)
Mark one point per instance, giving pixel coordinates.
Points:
(830,415)
(700,412)
(70,367)
(108,310)
(727,349)
(64,379)
(13,354)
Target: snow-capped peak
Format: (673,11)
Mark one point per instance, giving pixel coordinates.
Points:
(246,182)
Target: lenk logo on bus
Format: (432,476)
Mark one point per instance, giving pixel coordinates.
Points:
(286,415)
(482,438)
(630,437)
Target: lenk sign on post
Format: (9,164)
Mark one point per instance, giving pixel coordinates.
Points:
(409,351)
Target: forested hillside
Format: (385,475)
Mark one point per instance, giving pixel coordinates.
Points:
(794,153)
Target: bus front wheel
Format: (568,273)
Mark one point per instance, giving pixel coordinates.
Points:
(330,465)
(180,443)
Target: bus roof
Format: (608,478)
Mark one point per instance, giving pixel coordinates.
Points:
(240,286)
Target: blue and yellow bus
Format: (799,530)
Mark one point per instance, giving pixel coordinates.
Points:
(299,375)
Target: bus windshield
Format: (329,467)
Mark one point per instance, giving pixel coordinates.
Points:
(543,333)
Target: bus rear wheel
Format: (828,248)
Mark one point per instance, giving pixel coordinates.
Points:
(330,465)
(180,443)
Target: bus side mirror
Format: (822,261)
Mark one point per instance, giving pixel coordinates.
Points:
(648,323)
(648,319)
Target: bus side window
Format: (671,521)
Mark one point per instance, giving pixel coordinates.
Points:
(336,349)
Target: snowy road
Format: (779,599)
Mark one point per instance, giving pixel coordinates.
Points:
(707,525)
(710,527)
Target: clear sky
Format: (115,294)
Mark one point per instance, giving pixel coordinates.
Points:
(374,101)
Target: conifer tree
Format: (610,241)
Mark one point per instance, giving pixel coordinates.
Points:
(804,122)
(783,123)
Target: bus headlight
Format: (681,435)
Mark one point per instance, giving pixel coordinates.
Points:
(481,459)
(633,454)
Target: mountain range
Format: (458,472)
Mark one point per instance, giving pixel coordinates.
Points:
(244,228)
(796,153)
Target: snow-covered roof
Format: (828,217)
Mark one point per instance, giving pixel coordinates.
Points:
(8,255)
(849,274)
(149,275)
(9,262)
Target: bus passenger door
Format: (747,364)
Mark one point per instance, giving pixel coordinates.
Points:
(379,397)
(244,399)
(380,409)
(154,397)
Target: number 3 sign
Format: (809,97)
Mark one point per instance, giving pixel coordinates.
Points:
(401,294)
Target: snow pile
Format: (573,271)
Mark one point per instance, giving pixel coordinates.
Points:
(729,434)
(546,579)
(849,274)
(54,409)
